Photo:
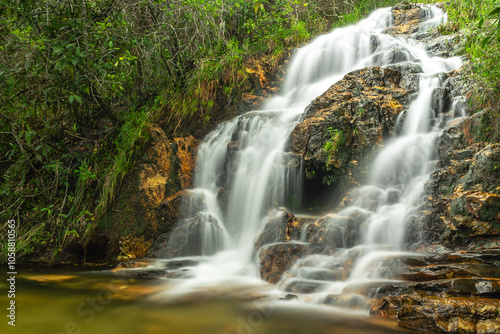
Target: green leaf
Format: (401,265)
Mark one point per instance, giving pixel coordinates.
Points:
(495,11)
(110,44)
(58,49)
(485,41)
(481,22)
(71,98)
(74,60)
(28,135)
(78,99)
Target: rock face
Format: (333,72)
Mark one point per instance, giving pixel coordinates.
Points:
(463,208)
(343,127)
(442,293)
(407,18)
(441,315)
(150,196)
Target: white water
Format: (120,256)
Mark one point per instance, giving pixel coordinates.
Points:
(252,173)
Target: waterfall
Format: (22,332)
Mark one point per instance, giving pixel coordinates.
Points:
(242,172)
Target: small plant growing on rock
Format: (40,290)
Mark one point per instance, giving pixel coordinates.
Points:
(332,146)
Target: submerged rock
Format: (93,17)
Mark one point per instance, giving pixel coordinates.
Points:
(348,300)
(200,234)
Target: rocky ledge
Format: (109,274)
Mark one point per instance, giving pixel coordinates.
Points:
(343,128)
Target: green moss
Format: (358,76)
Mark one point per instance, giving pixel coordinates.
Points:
(332,146)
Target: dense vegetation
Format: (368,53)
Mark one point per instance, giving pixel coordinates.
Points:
(479,20)
(80,80)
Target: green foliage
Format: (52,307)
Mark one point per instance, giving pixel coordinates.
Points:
(479,21)
(331,149)
(349,12)
(484,47)
(332,146)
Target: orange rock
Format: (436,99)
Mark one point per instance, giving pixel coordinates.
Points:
(149,199)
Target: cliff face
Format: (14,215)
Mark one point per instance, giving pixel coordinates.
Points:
(464,201)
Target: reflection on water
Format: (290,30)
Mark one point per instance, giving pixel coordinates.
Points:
(109,302)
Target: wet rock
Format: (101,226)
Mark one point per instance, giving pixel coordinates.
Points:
(277,258)
(143,273)
(487,256)
(320,268)
(348,300)
(132,247)
(462,203)
(289,296)
(344,126)
(443,287)
(279,226)
(440,315)
(484,172)
(302,286)
(199,235)
(442,46)
(407,18)
(148,201)
(325,235)
(436,272)
(378,289)
(354,230)
(180,263)
(441,100)
(409,75)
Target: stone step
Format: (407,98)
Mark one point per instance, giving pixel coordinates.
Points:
(478,287)
(436,272)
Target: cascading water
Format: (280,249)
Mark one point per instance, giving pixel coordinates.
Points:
(242,171)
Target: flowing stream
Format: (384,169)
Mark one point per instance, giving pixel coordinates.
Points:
(243,173)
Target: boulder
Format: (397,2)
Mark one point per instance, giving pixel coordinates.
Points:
(325,235)
(343,127)
(407,18)
(201,234)
(277,258)
(279,226)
